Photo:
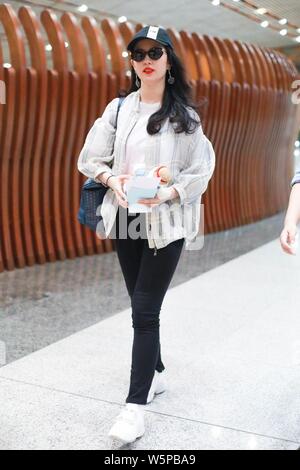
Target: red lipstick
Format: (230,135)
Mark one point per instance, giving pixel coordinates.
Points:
(148,70)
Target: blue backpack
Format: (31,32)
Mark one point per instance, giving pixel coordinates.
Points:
(92,195)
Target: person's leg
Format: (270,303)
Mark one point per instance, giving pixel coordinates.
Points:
(129,253)
(159,365)
(154,278)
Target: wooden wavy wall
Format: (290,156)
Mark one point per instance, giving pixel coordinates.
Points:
(49,109)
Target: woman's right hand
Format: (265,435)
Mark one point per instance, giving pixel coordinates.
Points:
(287,237)
(116,184)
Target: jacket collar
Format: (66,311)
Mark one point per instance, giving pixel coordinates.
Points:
(136,100)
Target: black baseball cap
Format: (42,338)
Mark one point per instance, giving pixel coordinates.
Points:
(151,32)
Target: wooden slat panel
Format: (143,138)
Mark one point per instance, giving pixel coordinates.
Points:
(49,110)
(54,32)
(12,30)
(8,116)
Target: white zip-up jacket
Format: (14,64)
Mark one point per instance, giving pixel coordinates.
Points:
(189,157)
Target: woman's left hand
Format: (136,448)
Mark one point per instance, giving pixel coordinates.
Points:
(163,195)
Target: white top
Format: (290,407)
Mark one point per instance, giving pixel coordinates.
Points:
(135,145)
(190,157)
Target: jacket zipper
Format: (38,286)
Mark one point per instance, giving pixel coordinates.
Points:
(155,249)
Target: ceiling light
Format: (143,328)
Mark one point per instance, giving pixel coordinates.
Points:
(122,19)
(283,21)
(297,39)
(297,144)
(125,54)
(283,32)
(261,11)
(66,44)
(264,24)
(298,30)
(48,47)
(83,8)
(215,2)
(7,65)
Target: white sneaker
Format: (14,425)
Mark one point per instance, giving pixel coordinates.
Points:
(158,385)
(129,424)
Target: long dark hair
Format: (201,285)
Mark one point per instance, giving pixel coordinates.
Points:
(176,98)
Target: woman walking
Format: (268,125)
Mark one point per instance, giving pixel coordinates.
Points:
(157,125)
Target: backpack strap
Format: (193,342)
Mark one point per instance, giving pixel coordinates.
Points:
(121,99)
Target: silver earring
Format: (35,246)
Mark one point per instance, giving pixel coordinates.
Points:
(171,79)
(137,82)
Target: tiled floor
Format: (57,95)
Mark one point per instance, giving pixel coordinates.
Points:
(43,304)
(230,325)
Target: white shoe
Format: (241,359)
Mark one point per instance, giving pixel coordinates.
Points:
(129,424)
(158,385)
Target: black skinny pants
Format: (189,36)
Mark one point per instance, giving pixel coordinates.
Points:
(147,279)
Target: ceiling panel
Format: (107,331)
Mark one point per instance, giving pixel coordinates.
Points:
(192,15)
(289,9)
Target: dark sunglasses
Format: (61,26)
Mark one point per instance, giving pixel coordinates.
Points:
(154,53)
